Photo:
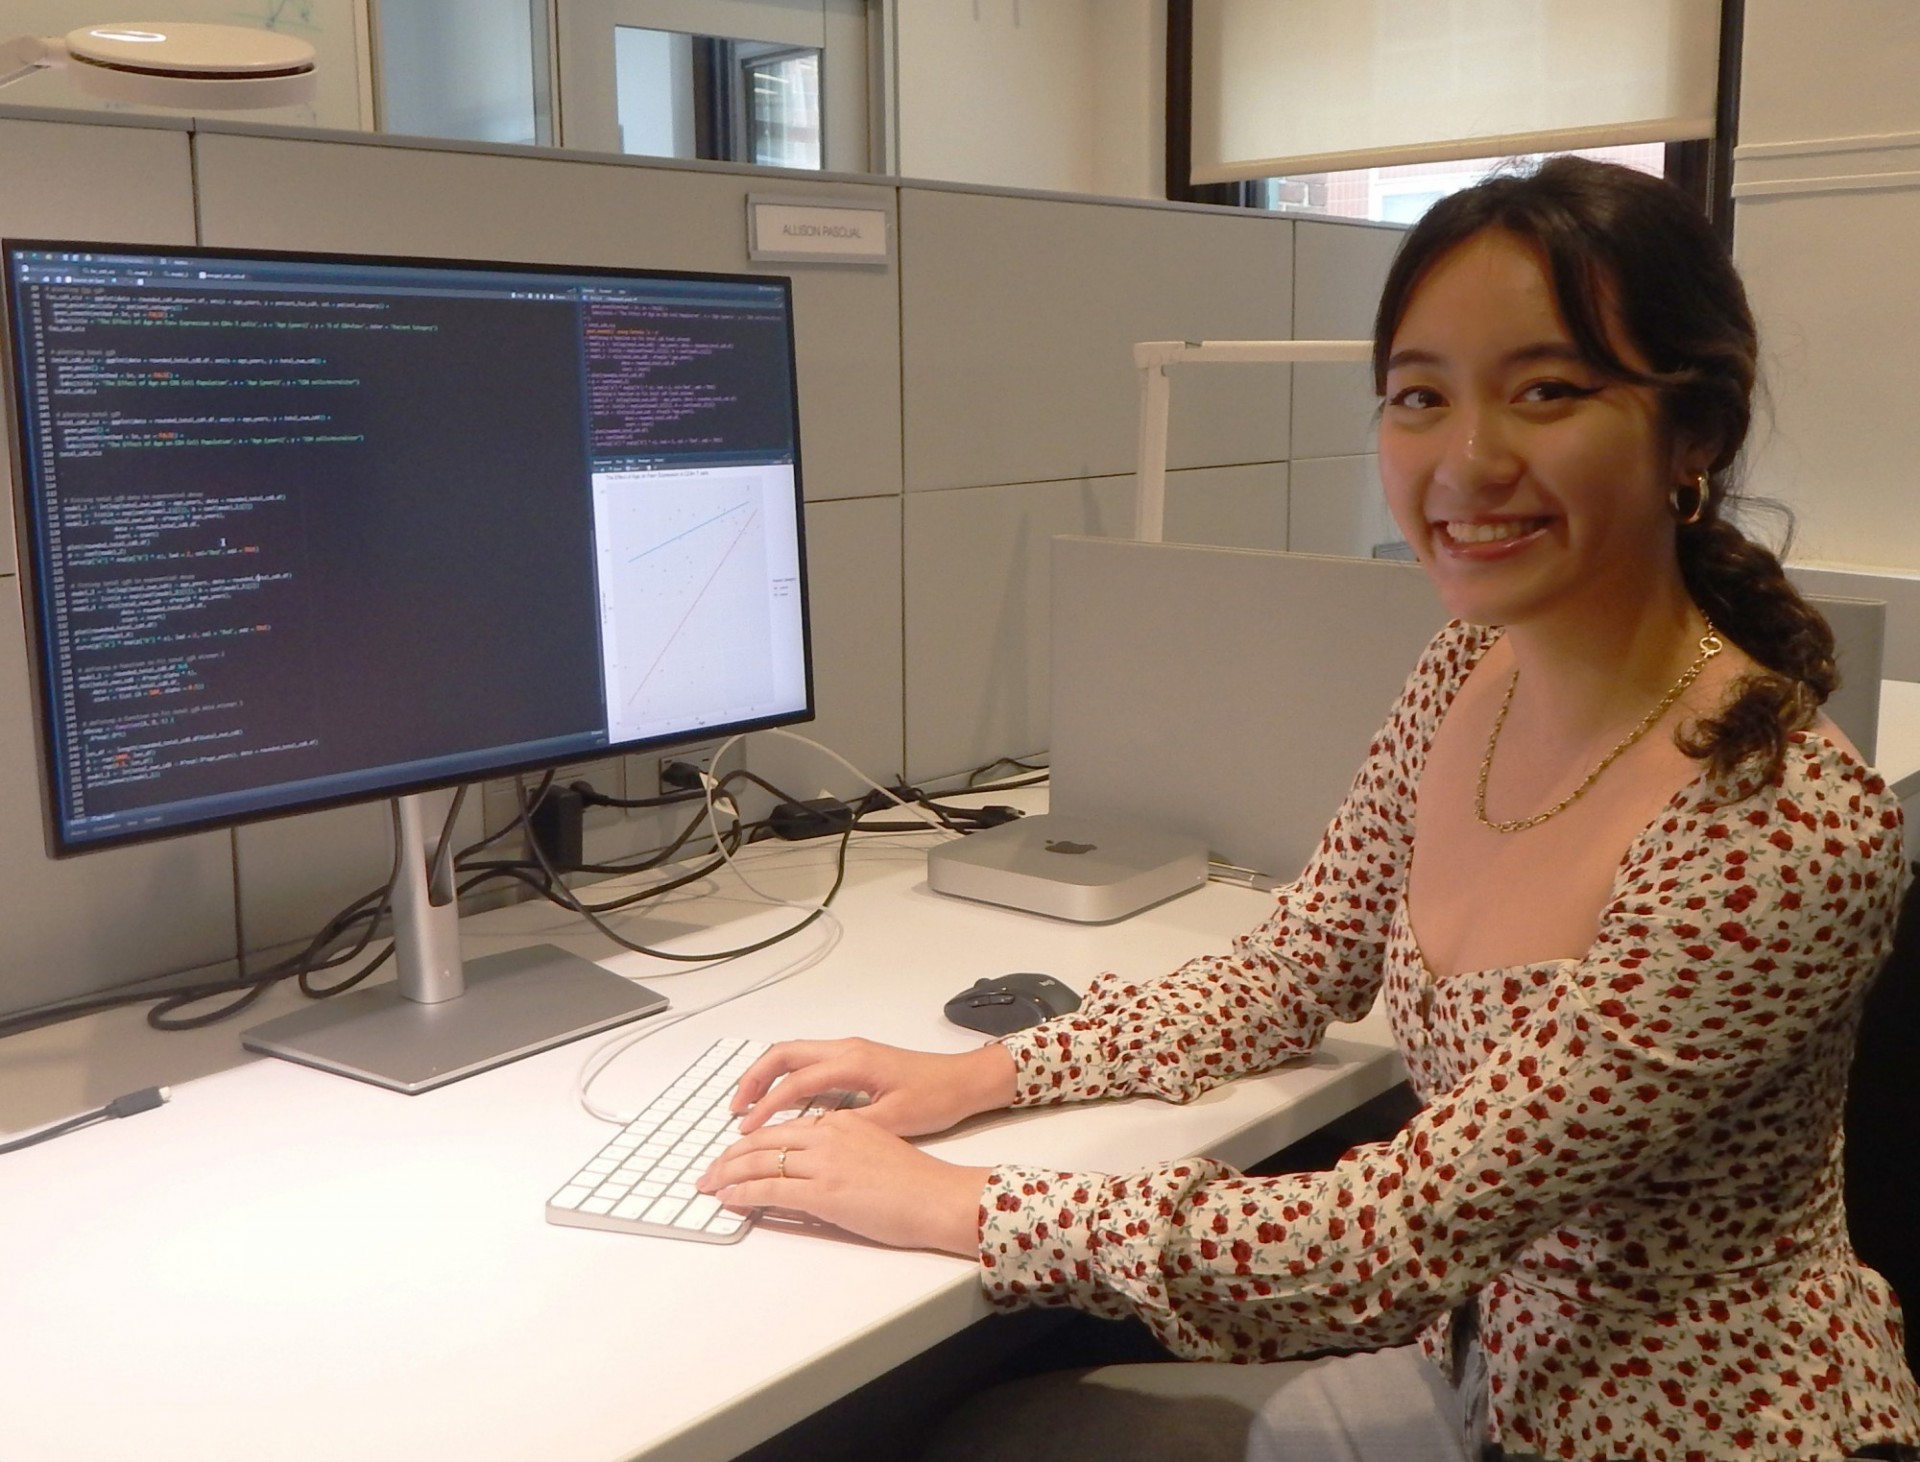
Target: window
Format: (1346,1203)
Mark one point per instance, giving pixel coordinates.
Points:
(1401,193)
(1300,92)
(719,99)
(783,108)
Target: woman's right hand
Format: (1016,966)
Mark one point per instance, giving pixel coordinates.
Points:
(910,1093)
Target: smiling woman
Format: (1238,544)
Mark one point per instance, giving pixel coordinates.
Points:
(1621,888)
(1635,295)
(1525,478)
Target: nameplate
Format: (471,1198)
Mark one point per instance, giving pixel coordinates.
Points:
(793,230)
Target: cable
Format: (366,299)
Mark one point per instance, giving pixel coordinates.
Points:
(604,1056)
(368,909)
(363,914)
(440,867)
(133,1103)
(565,897)
(623,866)
(974,776)
(362,918)
(514,824)
(366,913)
(595,798)
(31,1020)
(599,1060)
(924,816)
(953,817)
(1040,779)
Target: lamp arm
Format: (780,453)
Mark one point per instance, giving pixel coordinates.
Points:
(1151,359)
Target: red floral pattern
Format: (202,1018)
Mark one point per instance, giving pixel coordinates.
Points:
(1633,1158)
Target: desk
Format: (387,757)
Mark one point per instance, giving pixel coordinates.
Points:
(282,1264)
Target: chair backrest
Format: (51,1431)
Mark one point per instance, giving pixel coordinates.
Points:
(1883,1124)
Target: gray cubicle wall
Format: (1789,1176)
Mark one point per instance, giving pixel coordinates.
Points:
(71,926)
(1335,505)
(1021,408)
(960,405)
(1901,592)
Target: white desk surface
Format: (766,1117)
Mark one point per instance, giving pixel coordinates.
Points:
(282,1264)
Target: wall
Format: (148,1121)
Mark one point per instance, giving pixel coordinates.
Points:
(1068,95)
(959,407)
(1059,94)
(78,925)
(1827,198)
(1065,95)
(457,72)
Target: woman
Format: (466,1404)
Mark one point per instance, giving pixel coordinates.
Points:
(1619,882)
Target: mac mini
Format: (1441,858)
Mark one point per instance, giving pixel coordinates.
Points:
(1089,870)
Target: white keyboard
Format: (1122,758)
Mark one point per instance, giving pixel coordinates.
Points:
(642,1181)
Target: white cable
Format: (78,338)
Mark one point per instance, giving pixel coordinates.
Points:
(708,782)
(714,795)
(605,1055)
(915,808)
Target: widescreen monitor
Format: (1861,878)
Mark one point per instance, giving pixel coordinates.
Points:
(299,530)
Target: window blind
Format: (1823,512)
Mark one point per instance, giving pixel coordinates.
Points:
(1293,86)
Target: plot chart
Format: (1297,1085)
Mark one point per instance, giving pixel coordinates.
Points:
(691,608)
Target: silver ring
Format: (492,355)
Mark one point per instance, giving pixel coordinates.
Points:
(780,1167)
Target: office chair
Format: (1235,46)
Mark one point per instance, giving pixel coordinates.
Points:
(1883,1124)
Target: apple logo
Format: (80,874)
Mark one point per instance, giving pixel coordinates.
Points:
(1067,845)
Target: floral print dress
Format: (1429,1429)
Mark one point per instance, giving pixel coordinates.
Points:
(1631,1161)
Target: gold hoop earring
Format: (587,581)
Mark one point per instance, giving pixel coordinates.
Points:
(1686,517)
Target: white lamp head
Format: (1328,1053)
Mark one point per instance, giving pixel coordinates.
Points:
(163,64)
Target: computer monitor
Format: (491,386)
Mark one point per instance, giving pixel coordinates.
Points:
(299,530)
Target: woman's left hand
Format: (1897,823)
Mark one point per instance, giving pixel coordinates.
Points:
(849,1172)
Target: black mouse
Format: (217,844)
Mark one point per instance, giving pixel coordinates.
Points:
(1008,1003)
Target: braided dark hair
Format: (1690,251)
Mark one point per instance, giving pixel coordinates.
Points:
(1619,245)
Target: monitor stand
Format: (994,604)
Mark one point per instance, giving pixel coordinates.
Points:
(441,1020)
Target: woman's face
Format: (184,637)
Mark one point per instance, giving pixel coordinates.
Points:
(1528,482)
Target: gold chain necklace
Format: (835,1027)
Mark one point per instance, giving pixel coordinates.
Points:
(1710,645)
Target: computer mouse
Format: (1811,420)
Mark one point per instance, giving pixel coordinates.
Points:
(1005,1003)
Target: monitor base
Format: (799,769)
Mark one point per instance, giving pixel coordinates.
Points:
(516,1003)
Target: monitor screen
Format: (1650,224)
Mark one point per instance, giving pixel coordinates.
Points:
(307,529)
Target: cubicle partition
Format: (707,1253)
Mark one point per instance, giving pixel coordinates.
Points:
(71,927)
(1194,692)
(962,402)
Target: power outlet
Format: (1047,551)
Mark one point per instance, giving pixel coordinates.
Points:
(700,756)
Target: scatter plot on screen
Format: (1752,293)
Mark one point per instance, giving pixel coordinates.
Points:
(684,579)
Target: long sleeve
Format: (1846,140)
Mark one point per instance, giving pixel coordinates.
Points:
(1316,959)
(1655,1133)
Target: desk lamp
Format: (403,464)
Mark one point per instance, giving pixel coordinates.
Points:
(1136,866)
(161,64)
(1152,357)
